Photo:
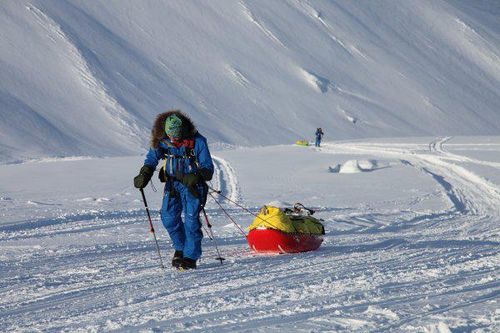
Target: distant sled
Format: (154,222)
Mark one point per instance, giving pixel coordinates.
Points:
(302,143)
(285,230)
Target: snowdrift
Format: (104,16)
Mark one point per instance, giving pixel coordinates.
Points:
(356,166)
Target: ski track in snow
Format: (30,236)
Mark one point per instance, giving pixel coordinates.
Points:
(391,271)
(437,147)
(225,179)
(471,196)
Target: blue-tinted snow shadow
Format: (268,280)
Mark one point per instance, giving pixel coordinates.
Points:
(44,222)
(397,224)
(405,244)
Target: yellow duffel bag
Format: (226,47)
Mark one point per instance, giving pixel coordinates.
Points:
(287,220)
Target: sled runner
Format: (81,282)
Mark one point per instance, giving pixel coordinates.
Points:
(285,230)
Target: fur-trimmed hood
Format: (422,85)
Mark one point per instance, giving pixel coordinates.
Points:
(158,130)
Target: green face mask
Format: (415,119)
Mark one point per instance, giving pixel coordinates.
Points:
(173,126)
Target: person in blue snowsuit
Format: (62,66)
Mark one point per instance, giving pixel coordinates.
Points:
(187,165)
(319,134)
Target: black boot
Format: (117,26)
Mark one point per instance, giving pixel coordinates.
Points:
(187,263)
(177,259)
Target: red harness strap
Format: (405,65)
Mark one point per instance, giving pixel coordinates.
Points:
(188,143)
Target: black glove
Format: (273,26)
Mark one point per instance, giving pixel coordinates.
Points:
(191,179)
(206,174)
(141,180)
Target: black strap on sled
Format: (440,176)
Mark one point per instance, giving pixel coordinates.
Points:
(298,208)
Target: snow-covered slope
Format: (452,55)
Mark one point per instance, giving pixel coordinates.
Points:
(88,77)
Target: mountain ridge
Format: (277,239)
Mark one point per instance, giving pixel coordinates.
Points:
(248,73)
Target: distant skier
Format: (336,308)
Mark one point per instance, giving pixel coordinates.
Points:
(319,134)
(188,165)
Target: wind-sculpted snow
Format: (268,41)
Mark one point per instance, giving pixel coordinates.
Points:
(87,78)
(412,247)
(356,166)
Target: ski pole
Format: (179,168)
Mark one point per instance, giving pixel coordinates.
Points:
(206,231)
(151,226)
(212,234)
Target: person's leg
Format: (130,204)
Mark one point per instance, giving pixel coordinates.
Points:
(171,217)
(192,225)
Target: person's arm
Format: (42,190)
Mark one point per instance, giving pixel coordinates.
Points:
(152,158)
(147,170)
(205,166)
(205,163)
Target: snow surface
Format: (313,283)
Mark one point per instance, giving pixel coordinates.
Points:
(412,214)
(411,247)
(87,78)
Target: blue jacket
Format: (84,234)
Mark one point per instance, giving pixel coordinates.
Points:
(180,161)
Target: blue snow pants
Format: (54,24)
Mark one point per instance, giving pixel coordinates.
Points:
(318,141)
(186,236)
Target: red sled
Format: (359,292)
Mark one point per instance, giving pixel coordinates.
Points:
(275,241)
